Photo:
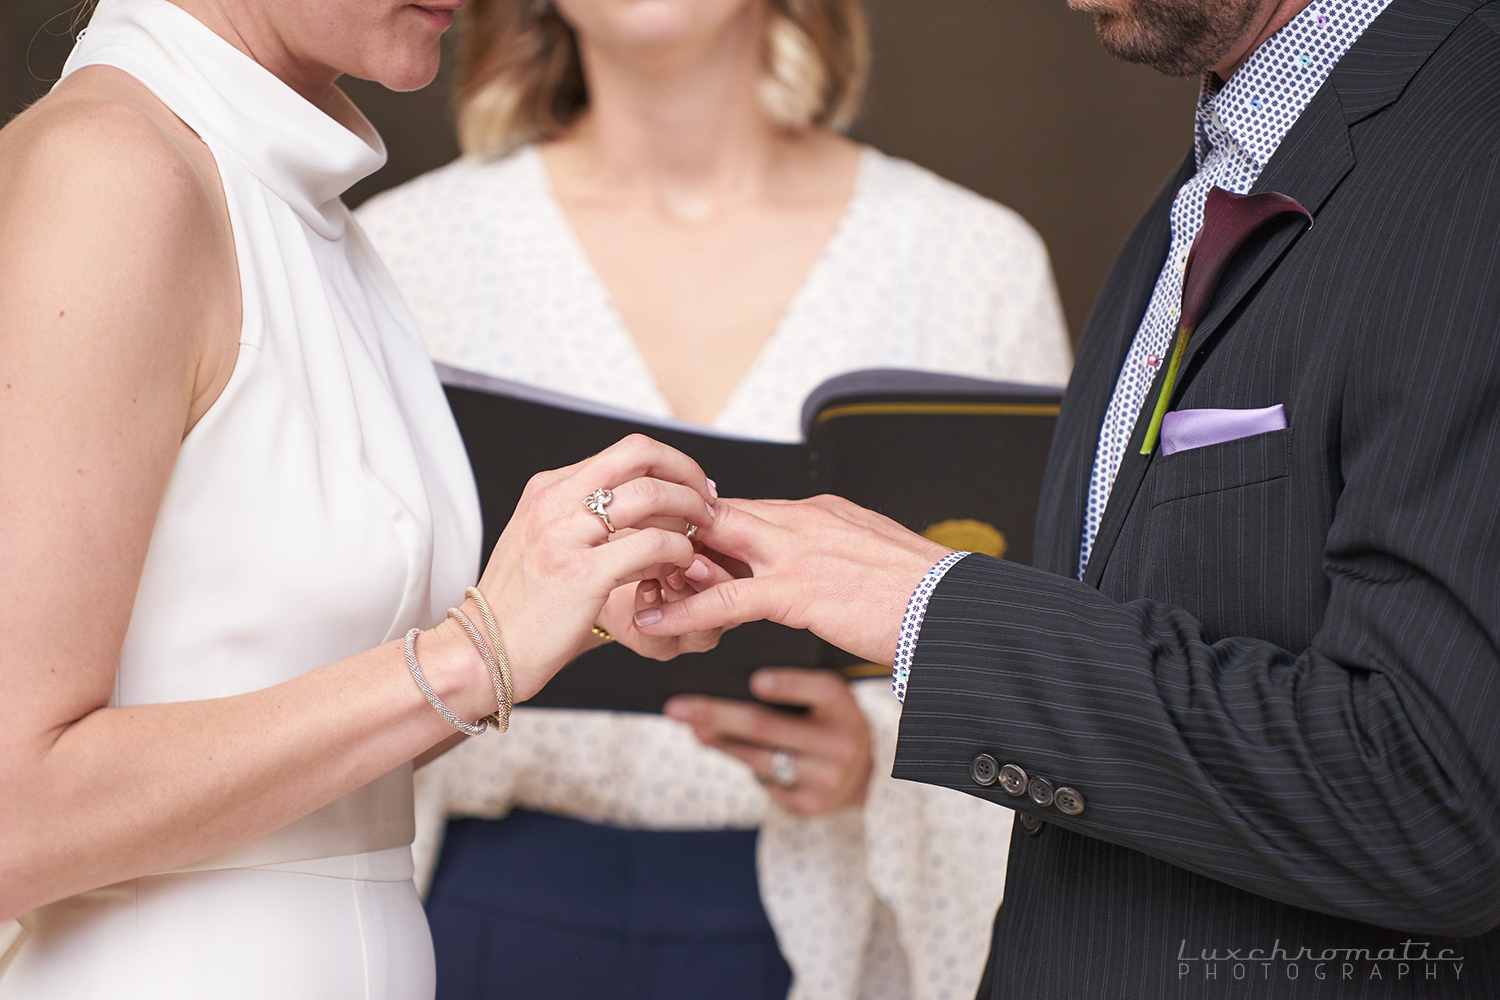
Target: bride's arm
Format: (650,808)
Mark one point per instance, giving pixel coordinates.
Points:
(112,282)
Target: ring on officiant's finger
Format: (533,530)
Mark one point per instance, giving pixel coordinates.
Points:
(784,768)
(596,502)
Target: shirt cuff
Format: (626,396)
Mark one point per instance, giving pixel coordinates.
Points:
(911,625)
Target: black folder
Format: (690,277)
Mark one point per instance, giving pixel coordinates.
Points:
(958,459)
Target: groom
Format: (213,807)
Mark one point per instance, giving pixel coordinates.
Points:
(1247,706)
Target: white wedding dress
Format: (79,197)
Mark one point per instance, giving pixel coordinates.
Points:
(322,506)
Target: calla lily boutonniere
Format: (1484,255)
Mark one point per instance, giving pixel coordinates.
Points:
(1228,221)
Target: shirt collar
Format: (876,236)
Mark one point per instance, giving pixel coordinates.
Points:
(1258,105)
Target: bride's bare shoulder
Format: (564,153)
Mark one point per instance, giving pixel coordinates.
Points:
(115,242)
(102,140)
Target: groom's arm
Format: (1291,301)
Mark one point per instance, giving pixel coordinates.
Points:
(1358,778)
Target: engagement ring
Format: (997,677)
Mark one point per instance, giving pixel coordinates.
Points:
(596,502)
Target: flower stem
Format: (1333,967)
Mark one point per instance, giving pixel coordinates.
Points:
(1153,430)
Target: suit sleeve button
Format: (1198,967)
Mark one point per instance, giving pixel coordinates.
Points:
(1041,791)
(984,769)
(1069,801)
(1031,824)
(1013,779)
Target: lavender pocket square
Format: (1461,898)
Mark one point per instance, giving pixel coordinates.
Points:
(1184,429)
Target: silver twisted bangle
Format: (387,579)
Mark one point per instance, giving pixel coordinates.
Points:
(500,720)
(436,702)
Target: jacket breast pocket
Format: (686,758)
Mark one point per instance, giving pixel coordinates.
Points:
(1218,537)
(1216,467)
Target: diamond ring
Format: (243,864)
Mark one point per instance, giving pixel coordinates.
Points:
(784,768)
(596,502)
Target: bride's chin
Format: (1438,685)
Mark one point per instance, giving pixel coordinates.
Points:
(413,66)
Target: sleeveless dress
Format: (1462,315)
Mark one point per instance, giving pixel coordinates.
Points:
(322,506)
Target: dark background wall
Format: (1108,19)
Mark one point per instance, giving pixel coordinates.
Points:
(1013,98)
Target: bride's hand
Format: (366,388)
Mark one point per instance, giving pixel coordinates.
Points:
(551,572)
(662,585)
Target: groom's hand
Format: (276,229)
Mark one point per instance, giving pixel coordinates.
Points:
(823,564)
(663,584)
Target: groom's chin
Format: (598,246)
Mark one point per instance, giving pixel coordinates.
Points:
(1123,38)
(1173,37)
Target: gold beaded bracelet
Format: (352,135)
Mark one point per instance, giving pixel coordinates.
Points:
(502,697)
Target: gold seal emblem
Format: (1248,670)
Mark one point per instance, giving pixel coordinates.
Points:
(968,535)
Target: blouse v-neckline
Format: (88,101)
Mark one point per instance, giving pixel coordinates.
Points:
(615,324)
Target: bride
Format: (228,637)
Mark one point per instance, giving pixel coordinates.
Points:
(232,499)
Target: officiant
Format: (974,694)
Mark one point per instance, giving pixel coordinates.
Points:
(657,210)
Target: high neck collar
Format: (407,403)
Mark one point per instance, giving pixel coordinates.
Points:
(235,104)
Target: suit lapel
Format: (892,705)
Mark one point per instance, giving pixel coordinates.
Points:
(1389,53)
(1311,161)
(1308,166)
(1319,158)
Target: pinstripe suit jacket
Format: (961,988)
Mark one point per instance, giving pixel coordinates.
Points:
(1278,685)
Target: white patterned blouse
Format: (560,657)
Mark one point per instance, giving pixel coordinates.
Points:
(891,901)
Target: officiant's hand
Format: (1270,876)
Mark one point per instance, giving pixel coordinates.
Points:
(827,753)
(823,564)
(557,562)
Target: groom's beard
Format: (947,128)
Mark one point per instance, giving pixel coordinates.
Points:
(1175,37)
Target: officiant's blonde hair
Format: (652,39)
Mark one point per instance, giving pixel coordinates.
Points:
(520,78)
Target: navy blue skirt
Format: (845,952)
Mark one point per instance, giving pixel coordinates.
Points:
(548,908)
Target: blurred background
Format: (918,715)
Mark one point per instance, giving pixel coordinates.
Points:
(1013,98)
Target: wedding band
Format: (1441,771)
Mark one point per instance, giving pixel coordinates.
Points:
(692,529)
(784,768)
(597,501)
